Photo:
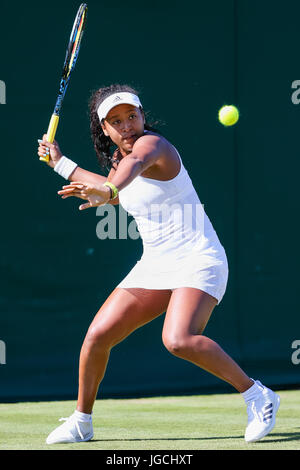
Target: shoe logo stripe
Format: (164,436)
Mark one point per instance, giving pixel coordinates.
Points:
(268,412)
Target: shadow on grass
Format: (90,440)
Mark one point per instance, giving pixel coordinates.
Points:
(168,439)
(282,437)
(279,437)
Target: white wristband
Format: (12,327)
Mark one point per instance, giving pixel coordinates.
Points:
(64,167)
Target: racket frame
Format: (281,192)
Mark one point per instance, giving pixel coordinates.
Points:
(69,64)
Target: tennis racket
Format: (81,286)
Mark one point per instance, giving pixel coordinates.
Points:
(69,64)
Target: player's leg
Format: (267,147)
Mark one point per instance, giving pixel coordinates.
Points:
(187,315)
(124,311)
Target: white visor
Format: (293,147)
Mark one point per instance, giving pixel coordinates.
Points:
(115,100)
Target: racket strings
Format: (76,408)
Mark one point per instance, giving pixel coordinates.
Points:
(71,54)
(74,45)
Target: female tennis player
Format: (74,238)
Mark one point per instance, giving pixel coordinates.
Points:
(183,270)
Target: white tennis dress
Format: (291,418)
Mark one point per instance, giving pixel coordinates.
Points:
(180,245)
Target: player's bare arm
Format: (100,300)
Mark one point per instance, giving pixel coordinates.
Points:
(146,152)
(54,154)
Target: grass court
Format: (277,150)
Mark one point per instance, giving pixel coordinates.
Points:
(203,422)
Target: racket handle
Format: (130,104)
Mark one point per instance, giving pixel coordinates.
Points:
(51,133)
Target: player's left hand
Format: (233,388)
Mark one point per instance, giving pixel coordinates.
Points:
(95,195)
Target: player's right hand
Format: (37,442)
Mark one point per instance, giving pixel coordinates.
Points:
(47,149)
(96,195)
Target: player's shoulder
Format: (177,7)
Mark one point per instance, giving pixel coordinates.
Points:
(150,136)
(151,139)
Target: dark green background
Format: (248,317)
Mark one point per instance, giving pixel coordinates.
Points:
(186,59)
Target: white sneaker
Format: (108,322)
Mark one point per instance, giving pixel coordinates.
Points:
(73,430)
(261,414)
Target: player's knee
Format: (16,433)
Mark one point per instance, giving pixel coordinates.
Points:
(98,336)
(176,344)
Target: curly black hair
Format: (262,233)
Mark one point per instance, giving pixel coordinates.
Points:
(103,145)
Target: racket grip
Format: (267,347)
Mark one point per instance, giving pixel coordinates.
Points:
(51,133)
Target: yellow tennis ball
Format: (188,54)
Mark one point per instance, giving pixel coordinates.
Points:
(228,115)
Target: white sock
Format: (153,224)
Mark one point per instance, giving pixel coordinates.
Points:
(83,416)
(252,393)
